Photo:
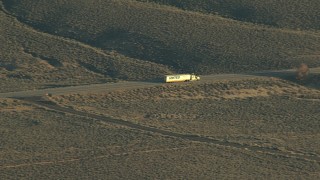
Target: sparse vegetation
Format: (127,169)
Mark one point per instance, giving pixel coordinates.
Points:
(246,111)
(31,60)
(47,44)
(185,41)
(36,143)
(264,113)
(295,14)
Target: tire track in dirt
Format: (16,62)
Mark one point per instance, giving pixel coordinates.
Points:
(70,160)
(274,151)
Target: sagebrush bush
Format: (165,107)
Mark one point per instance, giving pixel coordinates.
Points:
(302,72)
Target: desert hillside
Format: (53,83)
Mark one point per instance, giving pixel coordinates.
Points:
(32,59)
(81,95)
(293,14)
(184,40)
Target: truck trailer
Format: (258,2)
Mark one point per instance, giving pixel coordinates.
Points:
(180,78)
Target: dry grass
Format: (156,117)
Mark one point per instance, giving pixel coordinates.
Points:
(39,144)
(14,106)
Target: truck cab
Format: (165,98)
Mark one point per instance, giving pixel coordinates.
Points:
(194,77)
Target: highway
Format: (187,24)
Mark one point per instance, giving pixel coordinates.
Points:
(107,87)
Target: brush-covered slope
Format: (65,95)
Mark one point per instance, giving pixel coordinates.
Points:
(30,59)
(302,14)
(187,41)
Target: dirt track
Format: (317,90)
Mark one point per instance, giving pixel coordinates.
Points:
(35,98)
(43,102)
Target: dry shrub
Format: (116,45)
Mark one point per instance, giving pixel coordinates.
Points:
(302,72)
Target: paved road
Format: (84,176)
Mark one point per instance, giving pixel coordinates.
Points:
(110,86)
(286,74)
(79,89)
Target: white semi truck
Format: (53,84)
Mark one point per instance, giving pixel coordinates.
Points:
(181,78)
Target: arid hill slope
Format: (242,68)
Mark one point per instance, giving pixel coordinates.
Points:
(186,41)
(296,14)
(31,59)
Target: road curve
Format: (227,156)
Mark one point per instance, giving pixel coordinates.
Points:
(35,98)
(107,87)
(79,89)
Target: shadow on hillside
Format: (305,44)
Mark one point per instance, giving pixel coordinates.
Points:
(286,75)
(7,3)
(139,46)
